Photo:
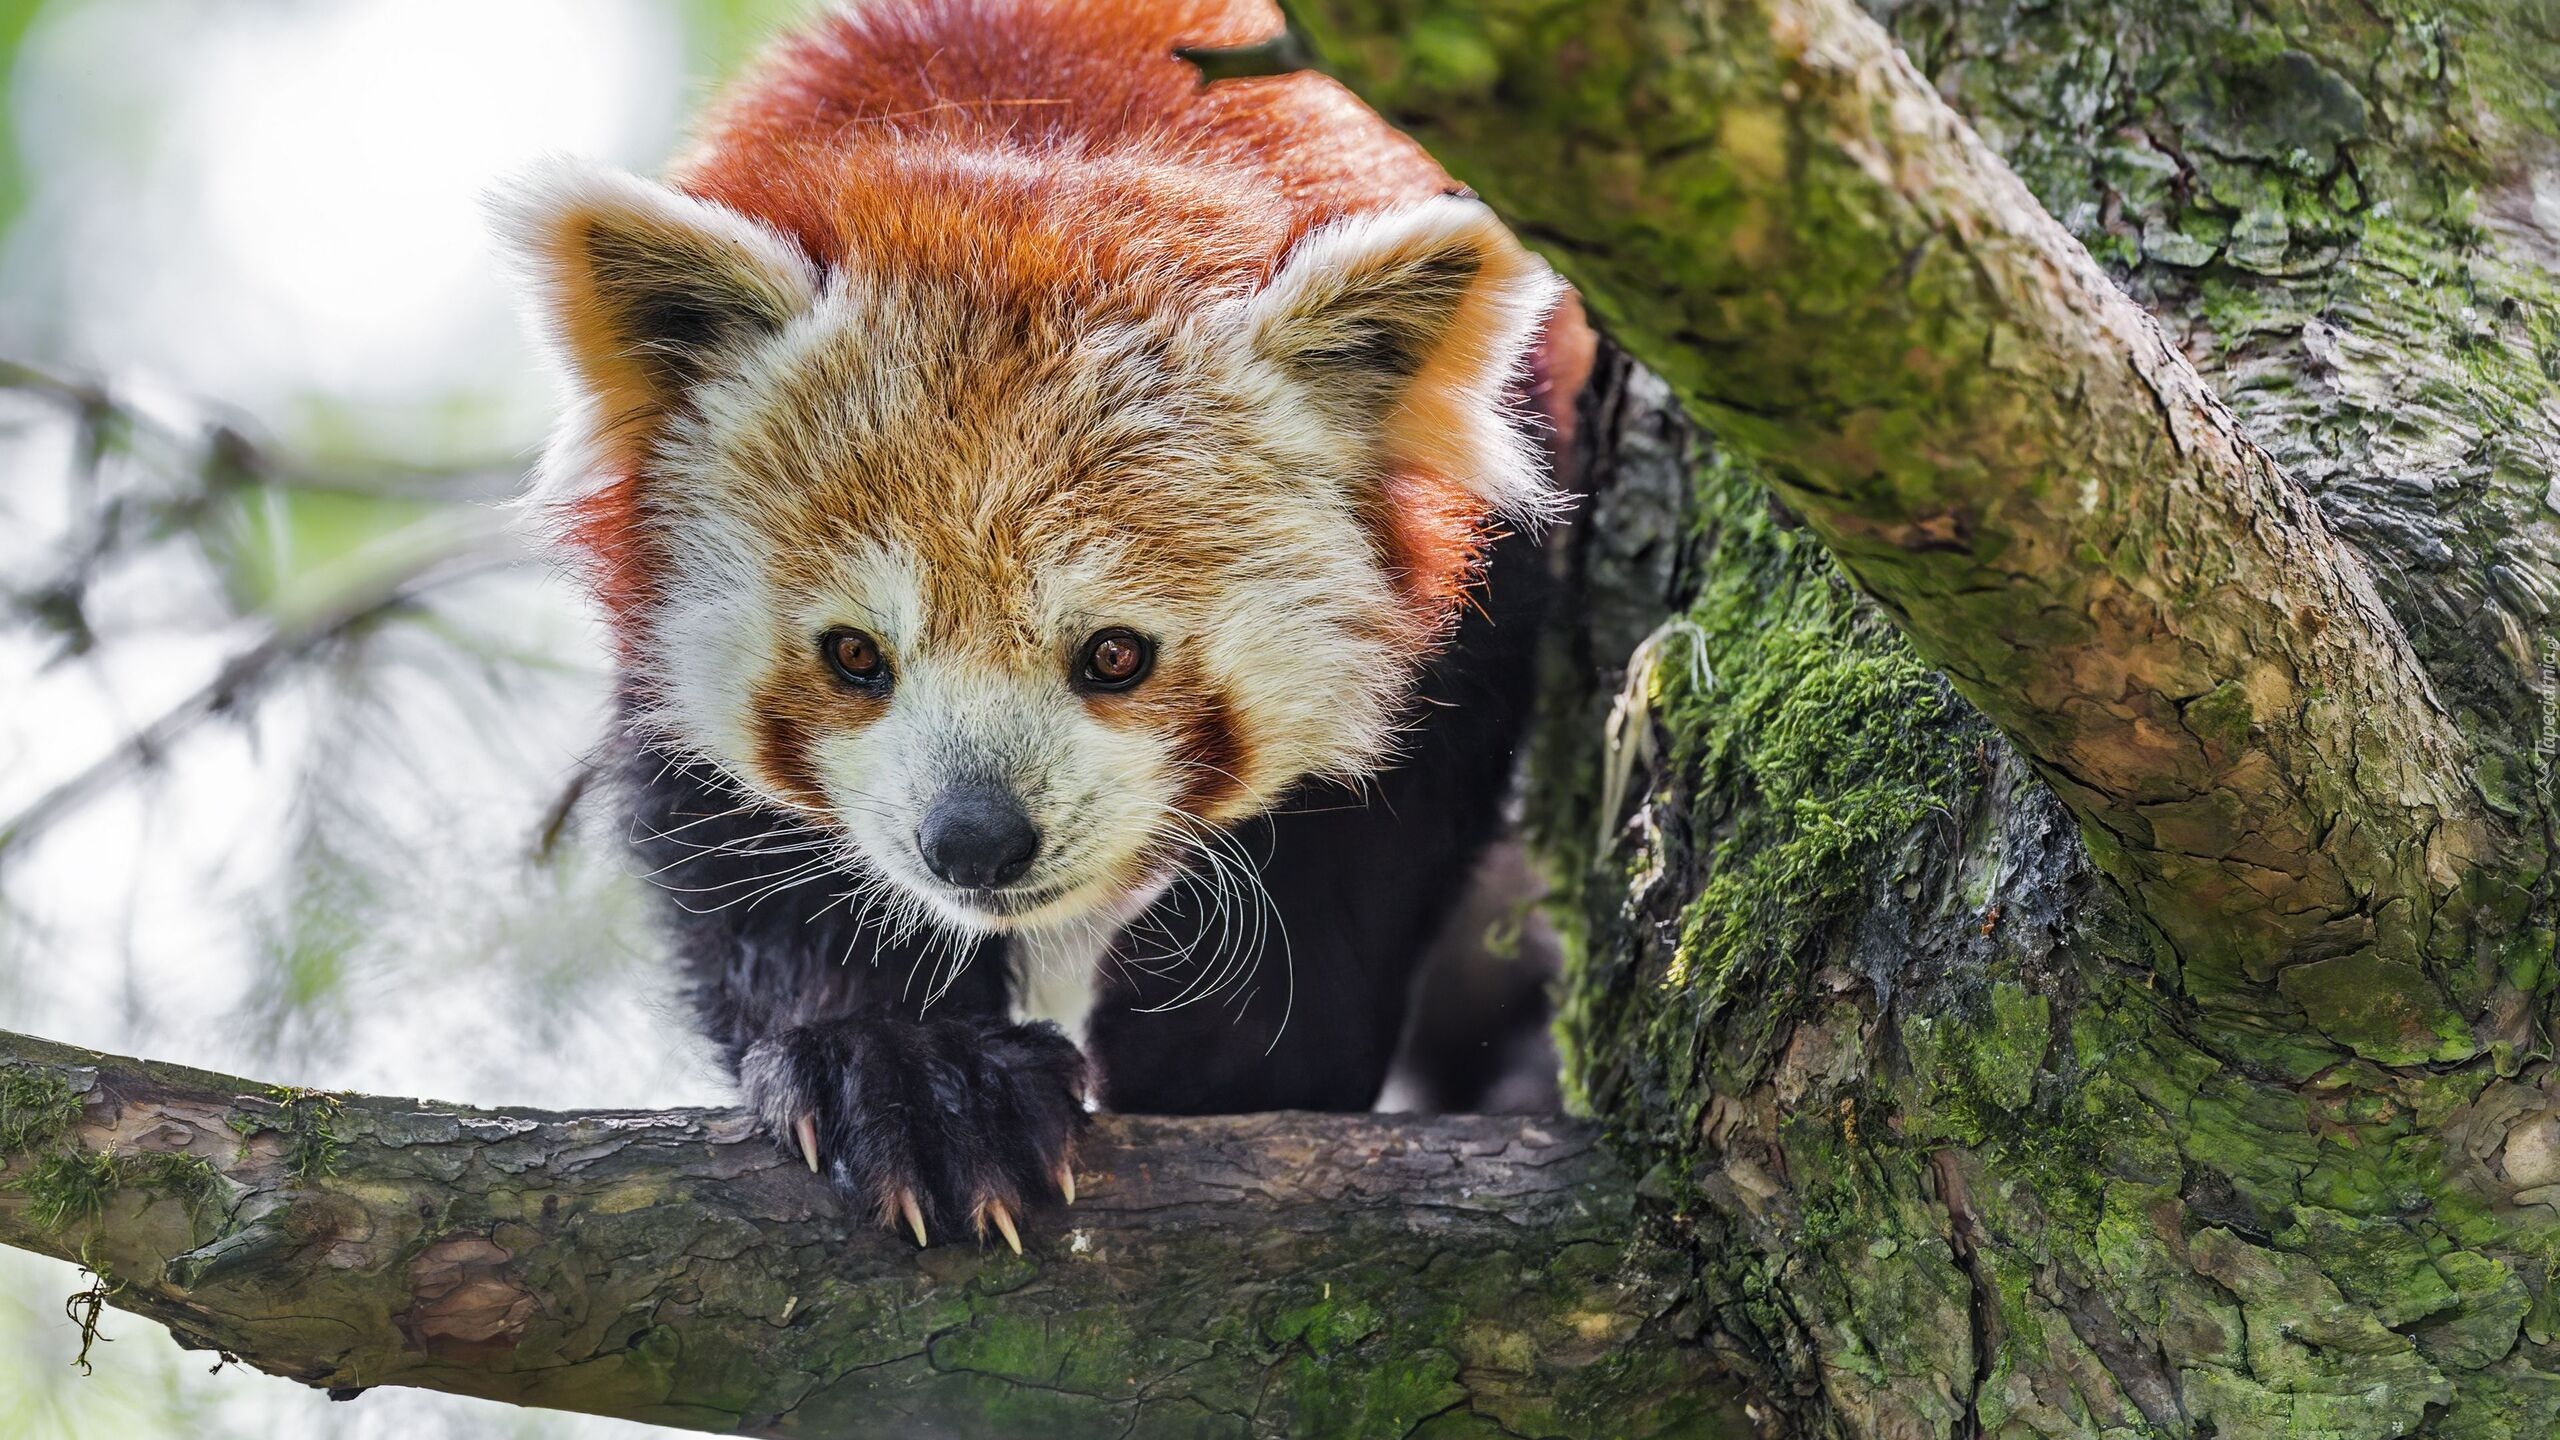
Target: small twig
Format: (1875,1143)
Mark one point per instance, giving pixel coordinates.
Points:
(242,676)
(1627,738)
(556,816)
(226,443)
(203,469)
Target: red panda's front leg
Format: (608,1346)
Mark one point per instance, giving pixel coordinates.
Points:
(934,1126)
(890,1066)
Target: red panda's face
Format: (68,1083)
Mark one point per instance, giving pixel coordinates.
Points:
(1024,605)
(1025,595)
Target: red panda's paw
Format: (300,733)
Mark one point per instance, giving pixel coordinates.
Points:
(942,1128)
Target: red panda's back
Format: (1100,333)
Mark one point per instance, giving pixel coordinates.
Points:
(1045,142)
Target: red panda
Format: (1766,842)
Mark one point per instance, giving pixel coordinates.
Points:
(1013,472)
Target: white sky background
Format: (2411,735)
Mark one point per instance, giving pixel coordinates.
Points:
(272,207)
(268,202)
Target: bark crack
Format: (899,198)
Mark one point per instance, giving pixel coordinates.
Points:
(1982,1309)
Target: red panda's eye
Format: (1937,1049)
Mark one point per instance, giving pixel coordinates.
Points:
(855,657)
(1116,659)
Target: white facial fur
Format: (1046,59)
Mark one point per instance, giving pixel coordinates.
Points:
(982,493)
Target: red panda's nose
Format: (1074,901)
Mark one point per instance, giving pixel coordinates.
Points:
(977,836)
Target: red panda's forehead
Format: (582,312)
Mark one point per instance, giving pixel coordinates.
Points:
(1032,230)
(1026,460)
(1015,594)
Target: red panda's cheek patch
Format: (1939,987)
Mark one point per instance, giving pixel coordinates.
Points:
(1198,728)
(789,712)
(782,759)
(1212,753)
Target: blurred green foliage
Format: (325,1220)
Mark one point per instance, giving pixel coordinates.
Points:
(16,18)
(727,33)
(332,876)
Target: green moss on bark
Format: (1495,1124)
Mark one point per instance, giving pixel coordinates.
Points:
(67,1186)
(305,1121)
(36,1108)
(1814,741)
(1948,1160)
(1808,744)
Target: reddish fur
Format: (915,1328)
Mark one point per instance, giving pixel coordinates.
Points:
(782,755)
(849,136)
(1057,151)
(1213,754)
(605,526)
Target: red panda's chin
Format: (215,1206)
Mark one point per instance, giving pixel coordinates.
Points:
(1102,901)
(996,911)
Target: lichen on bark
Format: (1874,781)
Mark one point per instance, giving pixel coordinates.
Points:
(2008,1154)
(1962,1164)
(1769,207)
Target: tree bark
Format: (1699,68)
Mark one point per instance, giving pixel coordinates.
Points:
(1268,1275)
(2145,1035)
(1774,210)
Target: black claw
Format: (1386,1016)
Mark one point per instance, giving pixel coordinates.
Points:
(937,1126)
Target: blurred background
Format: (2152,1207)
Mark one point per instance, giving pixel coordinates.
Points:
(288,716)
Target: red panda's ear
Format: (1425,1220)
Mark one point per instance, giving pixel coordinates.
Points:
(1409,327)
(643,292)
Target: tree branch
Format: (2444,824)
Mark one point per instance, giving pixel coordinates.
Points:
(1771,208)
(1274,1274)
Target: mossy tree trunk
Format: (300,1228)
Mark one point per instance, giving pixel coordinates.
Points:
(2077,954)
